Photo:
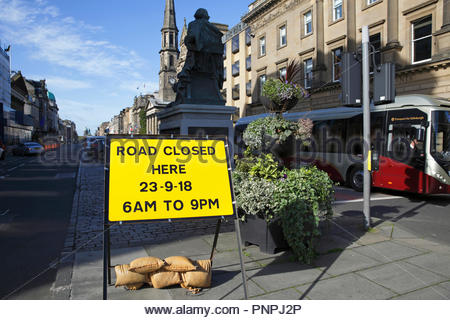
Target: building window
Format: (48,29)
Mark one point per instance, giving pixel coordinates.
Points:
(225,51)
(248,36)
(171,39)
(248,88)
(171,61)
(421,40)
(248,63)
(337,10)
(235,93)
(235,44)
(235,69)
(262,80)
(225,74)
(369,2)
(307,72)
(337,62)
(262,46)
(282,35)
(375,41)
(165,39)
(282,73)
(307,20)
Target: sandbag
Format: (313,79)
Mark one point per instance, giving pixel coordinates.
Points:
(134,286)
(164,278)
(145,265)
(200,278)
(179,264)
(125,277)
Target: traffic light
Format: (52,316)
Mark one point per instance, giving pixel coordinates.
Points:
(351,80)
(384,84)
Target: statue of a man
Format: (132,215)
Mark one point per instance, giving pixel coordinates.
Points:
(204,62)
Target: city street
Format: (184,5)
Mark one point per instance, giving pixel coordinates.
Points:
(36,196)
(426,216)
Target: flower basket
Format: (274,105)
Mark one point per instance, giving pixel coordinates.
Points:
(283,106)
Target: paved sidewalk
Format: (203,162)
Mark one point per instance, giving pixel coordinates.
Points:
(385,263)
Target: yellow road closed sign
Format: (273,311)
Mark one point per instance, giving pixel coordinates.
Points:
(158,178)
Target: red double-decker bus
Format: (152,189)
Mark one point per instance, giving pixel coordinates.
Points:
(410,138)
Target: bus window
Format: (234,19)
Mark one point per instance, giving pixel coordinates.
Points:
(353,142)
(406,143)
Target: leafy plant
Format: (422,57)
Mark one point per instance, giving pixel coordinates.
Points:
(142,121)
(275,129)
(297,198)
(284,93)
(253,195)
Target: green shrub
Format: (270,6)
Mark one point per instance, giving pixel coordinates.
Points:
(261,131)
(297,198)
(301,199)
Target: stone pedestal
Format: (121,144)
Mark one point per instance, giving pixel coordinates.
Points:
(198,120)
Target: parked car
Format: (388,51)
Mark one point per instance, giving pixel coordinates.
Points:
(94,147)
(2,150)
(28,148)
(90,141)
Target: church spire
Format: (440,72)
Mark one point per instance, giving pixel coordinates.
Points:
(169,53)
(169,16)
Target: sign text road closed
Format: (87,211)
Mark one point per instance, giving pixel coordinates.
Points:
(152,179)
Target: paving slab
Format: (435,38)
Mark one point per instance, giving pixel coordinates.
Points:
(264,259)
(225,285)
(190,247)
(425,245)
(345,287)
(401,277)
(126,255)
(226,241)
(371,237)
(344,262)
(433,262)
(388,251)
(287,294)
(144,293)
(284,275)
(333,242)
(229,261)
(394,232)
(436,292)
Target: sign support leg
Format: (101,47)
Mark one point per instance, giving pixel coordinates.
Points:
(216,236)
(105,261)
(109,255)
(241,258)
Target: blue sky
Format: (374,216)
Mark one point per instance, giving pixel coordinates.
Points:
(94,54)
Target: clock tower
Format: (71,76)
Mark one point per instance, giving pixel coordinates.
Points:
(168,53)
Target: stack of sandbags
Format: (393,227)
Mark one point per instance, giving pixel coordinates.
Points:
(158,273)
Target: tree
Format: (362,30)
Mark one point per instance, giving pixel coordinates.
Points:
(142,121)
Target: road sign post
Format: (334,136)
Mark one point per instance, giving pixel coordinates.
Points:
(366,125)
(160,178)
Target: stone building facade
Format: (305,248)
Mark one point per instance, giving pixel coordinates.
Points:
(237,86)
(413,34)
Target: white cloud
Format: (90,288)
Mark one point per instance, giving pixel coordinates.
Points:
(67,84)
(64,41)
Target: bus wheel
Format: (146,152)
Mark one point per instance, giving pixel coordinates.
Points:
(356,179)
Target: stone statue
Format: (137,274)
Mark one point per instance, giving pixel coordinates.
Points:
(201,78)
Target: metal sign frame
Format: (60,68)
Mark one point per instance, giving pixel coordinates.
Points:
(108,224)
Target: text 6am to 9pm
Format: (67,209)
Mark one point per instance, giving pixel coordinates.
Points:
(156,179)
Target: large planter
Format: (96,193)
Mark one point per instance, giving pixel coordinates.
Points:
(268,236)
